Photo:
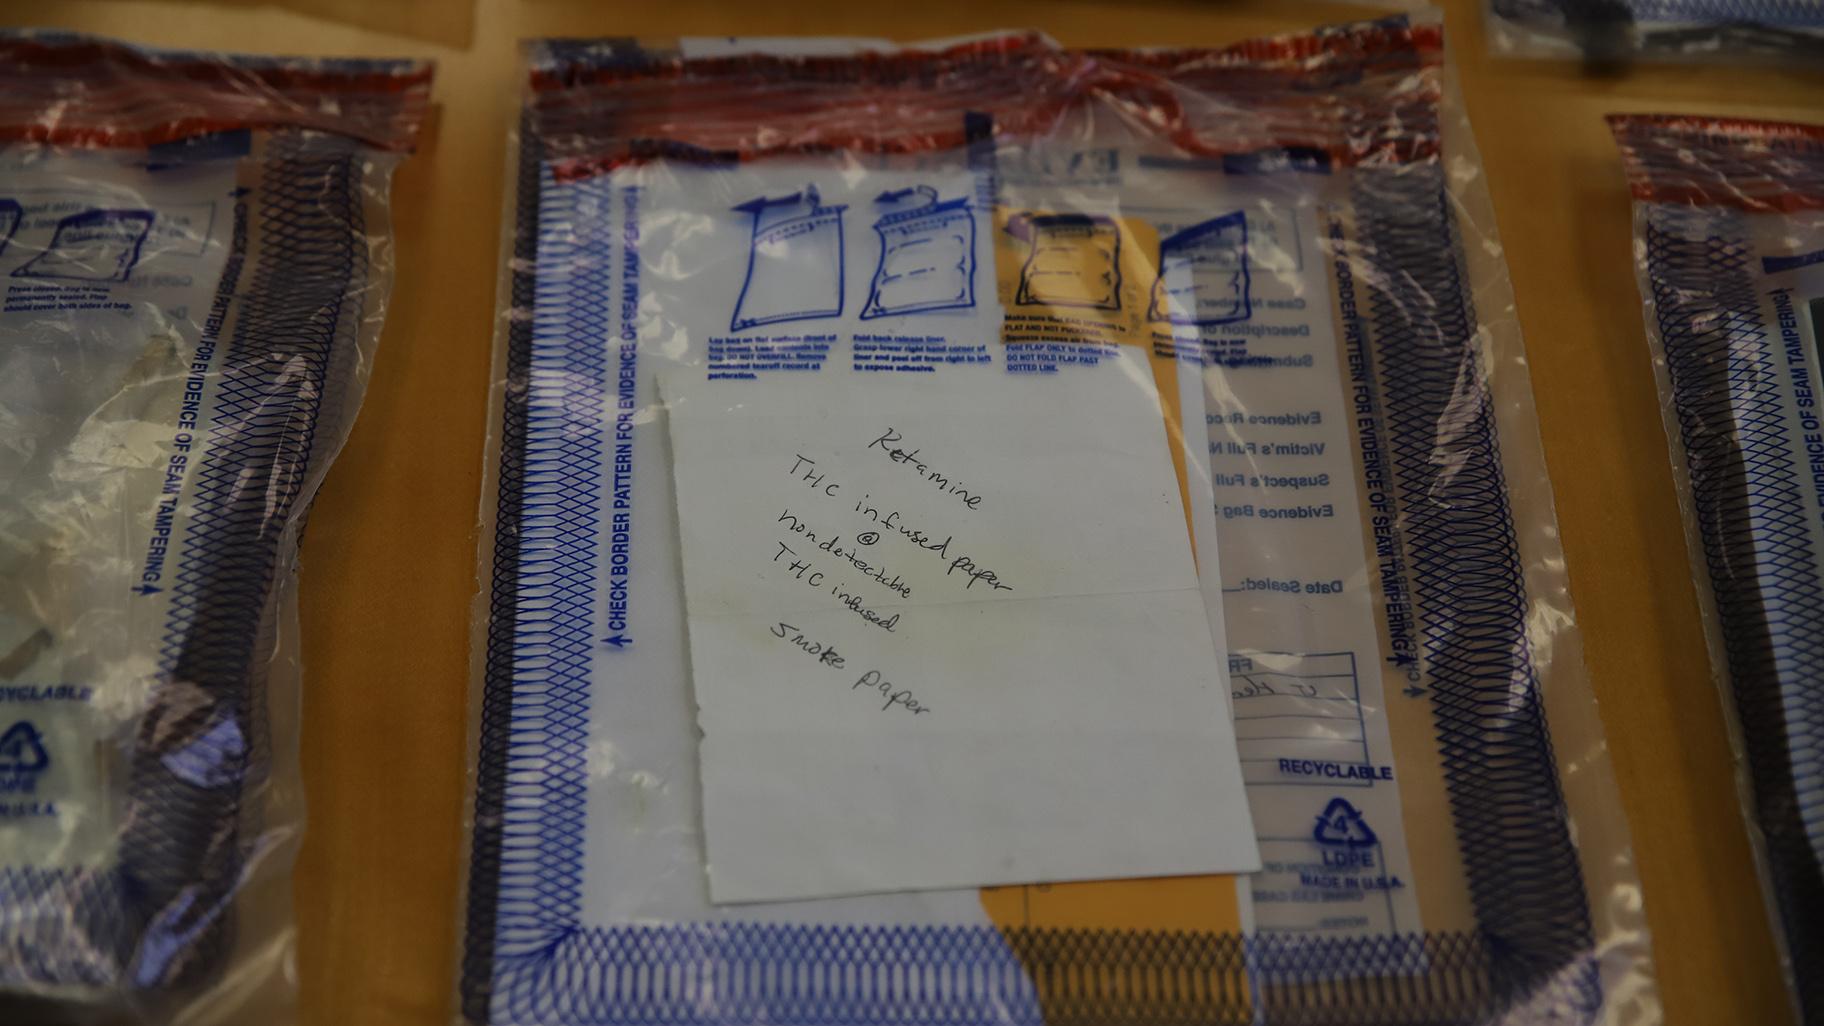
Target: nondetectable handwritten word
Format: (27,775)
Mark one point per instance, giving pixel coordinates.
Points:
(872,680)
(948,485)
(832,544)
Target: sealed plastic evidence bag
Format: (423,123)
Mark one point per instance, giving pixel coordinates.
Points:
(1610,30)
(1263,250)
(1729,248)
(194,260)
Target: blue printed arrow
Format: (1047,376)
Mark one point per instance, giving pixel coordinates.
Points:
(146,589)
(618,641)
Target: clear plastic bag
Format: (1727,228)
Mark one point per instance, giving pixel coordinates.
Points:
(1729,249)
(1607,31)
(194,261)
(1262,282)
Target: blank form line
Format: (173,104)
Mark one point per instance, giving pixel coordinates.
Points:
(1299,738)
(1299,698)
(1297,716)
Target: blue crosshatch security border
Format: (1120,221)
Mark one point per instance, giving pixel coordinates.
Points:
(528,957)
(1747,498)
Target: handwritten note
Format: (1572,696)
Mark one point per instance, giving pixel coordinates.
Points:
(947,633)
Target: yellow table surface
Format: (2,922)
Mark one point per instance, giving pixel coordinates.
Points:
(389,561)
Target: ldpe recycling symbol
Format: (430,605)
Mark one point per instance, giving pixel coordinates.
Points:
(22,749)
(1342,824)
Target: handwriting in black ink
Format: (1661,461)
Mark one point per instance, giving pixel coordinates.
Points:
(826,654)
(805,470)
(1248,686)
(832,544)
(944,482)
(872,680)
(806,571)
(963,564)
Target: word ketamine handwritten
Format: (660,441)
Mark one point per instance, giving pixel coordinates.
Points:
(909,458)
(872,680)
